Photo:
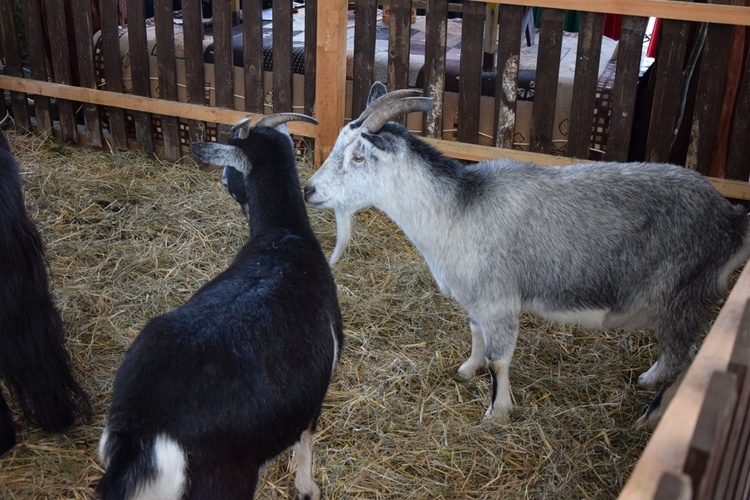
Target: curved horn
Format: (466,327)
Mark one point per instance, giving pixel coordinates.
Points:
(278,118)
(243,126)
(376,120)
(385,99)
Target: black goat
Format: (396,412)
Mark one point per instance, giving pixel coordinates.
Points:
(33,360)
(212,390)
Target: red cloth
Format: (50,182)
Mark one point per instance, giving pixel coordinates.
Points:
(612,24)
(653,44)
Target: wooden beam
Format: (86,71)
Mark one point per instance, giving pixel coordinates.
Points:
(666,9)
(145,104)
(330,85)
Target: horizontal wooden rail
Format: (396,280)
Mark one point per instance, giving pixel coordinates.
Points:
(137,103)
(737,190)
(667,9)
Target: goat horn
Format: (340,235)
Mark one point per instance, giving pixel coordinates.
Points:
(243,126)
(376,120)
(277,119)
(385,99)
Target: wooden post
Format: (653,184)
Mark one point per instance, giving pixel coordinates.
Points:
(330,87)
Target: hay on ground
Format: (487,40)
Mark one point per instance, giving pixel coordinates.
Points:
(129,237)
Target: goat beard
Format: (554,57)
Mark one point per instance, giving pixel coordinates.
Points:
(343,234)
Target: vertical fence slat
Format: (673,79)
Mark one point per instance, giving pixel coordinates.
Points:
(252,49)
(738,166)
(436,33)
(508,57)
(470,71)
(195,74)
(399,45)
(140,72)
(37,61)
(223,69)
(669,65)
(87,77)
(12,53)
(311,35)
(60,54)
(626,81)
(710,88)
(584,84)
(365,17)
(165,57)
(547,76)
(282,56)
(113,70)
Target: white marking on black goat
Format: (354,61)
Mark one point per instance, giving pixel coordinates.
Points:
(600,244)
(212,390)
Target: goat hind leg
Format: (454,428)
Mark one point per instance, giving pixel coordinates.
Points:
(7,429)
(500,341)
(303,481)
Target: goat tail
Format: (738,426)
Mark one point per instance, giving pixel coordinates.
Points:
(37,369)
(141,468)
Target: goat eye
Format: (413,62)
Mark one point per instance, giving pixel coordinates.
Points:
(358,158)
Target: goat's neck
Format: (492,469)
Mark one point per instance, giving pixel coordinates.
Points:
(272,208)
(423,205)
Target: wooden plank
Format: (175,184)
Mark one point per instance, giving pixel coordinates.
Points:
(330,86)
(81,12)
(506,90)
(140,72)
(547,74)
(470,72)
(165,58)
(37,61)
(624,91)
(668,446)
(252,49)
(195,74)
(584,84)
(665,9)
(113,70)
(711,80)
(365,19)
(282,56)
(730,474)
(311,35)
(669,80)
(709,438)
(223,63)
(738,166)
(13,66)
(61,73)
(399,46)
(137,103)
(436,33)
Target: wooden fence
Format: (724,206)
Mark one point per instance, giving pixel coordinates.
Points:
(695,112)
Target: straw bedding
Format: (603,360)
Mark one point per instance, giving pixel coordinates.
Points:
(128,238)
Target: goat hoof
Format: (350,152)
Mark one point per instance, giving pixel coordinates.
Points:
(310,493)
(469,369)
(496,416)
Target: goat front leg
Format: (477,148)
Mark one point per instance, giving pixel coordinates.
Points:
(477,360)
(500,338)
(303,481)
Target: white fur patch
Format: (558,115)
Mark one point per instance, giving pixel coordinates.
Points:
(335,347)
(587,318)
(171,479)
(103,447)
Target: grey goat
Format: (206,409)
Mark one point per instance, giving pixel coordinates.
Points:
(602,245)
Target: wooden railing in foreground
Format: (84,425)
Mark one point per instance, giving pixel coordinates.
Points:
(700,447)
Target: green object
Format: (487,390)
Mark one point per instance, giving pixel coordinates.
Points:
(570,22)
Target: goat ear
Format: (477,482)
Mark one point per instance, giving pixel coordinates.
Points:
(221,154)
(379,141)
(377,90)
